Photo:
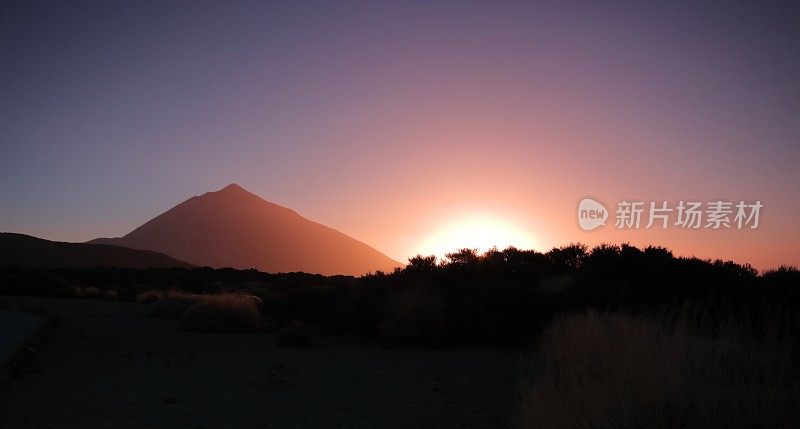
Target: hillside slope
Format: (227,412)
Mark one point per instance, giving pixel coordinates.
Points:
(27,251)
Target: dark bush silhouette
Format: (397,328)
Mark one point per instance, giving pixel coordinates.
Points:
(222,313)
(416,316)
(294,335)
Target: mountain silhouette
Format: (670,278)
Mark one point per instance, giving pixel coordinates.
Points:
(26,251)
(235,228)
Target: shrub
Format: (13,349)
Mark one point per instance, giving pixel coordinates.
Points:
(294,335)
(149,296)
(222,313)
(89,292)
(416,316)
(317,306)
(363,308)
(173,305)
(668,370)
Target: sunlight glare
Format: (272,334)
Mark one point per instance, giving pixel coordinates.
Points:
(480,233)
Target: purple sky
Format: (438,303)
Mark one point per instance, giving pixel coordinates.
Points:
(387,121)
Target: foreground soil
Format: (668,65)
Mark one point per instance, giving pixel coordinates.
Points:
(108,365)
(16,327)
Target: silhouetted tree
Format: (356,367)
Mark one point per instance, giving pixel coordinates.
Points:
(464,257)
(421,263)
(571,256)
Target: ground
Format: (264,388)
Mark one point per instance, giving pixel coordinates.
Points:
(108,365)
(16,327)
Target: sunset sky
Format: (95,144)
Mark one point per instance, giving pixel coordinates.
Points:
(404,124)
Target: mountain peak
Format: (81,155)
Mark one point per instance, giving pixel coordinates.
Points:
(234,190)
(233,187)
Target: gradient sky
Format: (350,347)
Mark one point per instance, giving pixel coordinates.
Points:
(391,121)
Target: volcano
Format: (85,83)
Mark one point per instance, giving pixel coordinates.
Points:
(235,228)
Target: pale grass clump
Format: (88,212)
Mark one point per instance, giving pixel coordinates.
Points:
(91,292)
(149,296)
(173,304)
(671,369)
(222,313)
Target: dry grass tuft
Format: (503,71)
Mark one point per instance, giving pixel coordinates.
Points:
(222,313)
(149,296)
(666,370)
(173,305)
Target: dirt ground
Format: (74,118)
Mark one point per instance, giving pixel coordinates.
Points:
(108,365)
(15,327)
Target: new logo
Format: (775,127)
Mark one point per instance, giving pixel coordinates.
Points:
(591,214)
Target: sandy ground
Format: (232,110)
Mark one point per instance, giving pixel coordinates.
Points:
(15,328)
(108,365)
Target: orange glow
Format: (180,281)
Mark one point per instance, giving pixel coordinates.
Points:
(480,233)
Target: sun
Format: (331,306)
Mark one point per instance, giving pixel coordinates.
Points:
(480,233)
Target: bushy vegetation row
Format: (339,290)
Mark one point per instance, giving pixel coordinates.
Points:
(505,296)
(508,296)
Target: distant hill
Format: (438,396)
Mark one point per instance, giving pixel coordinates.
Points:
(24,250)
(235,228)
